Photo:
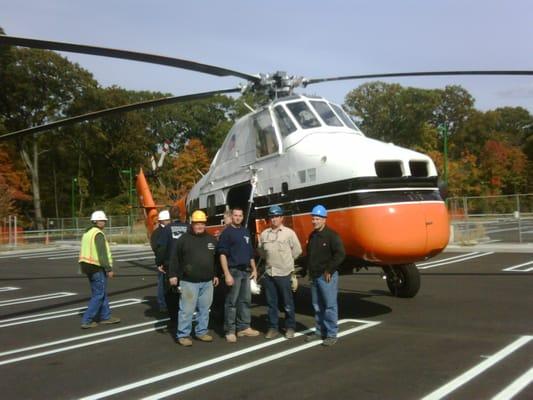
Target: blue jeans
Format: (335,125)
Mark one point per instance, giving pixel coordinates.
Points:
(237,316)
(281,285)
(194,296)
(98,308)
(324,298)
(161,290)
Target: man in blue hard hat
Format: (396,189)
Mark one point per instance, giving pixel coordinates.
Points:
(325,253)
(279,246)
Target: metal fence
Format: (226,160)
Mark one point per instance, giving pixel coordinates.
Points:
(118,228)
(490,219)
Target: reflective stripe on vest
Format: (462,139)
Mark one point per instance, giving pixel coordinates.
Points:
(88,252)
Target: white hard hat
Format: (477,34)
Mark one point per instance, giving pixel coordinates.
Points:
(98,216)
(163,215)
(255,288)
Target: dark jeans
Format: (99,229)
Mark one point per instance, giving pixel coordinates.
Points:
(98,308)
(238,301)
(324,298)
(279,286)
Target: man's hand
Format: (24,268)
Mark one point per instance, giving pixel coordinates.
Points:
(253,275)
(161,269)
(229,279)
(110,274)
(215,281)
(327,276)
(173,281)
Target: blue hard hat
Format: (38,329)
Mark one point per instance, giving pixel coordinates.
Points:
(319,211)
(274,211)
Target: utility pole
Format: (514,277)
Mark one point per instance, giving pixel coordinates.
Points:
(130,197)
(74,181)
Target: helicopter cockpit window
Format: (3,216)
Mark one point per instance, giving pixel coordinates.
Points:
(345,118)
(327,115)
(303,115)
(265,136)
(286,126)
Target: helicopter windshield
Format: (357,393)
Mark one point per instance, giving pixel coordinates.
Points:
(286,126)
(303,114)
(325,112)
(265,136)
(345,118)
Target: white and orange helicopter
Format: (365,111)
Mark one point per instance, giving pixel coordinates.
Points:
(298,151)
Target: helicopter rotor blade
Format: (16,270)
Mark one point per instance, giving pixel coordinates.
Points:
(427,73)
(115,110)
(125,54)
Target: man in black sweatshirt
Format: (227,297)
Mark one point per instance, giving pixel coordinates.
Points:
(192,262)
(325,253)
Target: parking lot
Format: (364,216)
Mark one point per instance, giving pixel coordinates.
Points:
(468,334)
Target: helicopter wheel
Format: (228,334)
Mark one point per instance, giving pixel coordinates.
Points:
(403,280)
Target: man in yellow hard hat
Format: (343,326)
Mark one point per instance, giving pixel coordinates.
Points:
(192,262)
(96,262)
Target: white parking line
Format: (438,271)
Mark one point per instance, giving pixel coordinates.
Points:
(456,261)
(33,251)
(447,259)
(63,252)
(216,360)
(4,323)
(514,268)
(478,369)
(76,346)
(136,258)
(42,297)
(516,387)
(72,339)
(8,288)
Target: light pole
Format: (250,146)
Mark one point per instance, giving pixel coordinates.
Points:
(130,173)
(74,181)
(443,130)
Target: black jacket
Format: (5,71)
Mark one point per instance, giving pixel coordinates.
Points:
(193,258)
(168,235)
(325,252)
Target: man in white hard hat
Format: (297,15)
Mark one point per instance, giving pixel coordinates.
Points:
(96,262)
(163,220)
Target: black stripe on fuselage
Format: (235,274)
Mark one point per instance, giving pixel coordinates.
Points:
(333,195)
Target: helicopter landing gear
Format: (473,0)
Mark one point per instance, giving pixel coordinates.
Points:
(402,280)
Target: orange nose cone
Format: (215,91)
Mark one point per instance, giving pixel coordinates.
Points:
(393,234)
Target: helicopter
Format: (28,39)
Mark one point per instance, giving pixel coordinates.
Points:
(386,202)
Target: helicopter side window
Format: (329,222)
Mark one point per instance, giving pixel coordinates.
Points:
(286,126)
(327,115)
(265,136)
(345,118)
(303,115)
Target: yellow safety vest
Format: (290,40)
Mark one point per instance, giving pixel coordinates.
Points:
(88,253)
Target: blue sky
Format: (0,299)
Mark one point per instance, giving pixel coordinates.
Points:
(310,38)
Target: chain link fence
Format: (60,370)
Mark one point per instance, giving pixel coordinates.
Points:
(490,219)
(119,229)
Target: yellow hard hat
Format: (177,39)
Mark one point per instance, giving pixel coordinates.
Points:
(198,216)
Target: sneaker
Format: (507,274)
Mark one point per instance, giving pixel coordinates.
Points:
(111,320)
(205,338)
(329,341)
(312,336)
(289,334)
(185,341)
(231,338)
(248,332)
(89,325)
(272,333)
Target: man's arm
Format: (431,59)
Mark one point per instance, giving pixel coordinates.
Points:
(101,249)
(174,266)
(296,248)
(337,252)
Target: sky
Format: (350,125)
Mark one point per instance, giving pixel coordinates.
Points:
(310,38)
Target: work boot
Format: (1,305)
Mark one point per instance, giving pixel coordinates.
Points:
(205,338)
(272,333)
(311,337)
(89,325)
(329,341)
(111,320)
(289,334)
(248,332)
(231,338)
(185,341)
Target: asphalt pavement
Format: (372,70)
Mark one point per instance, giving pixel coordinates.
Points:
(468,334)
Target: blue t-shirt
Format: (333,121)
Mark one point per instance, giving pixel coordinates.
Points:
(236,245)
